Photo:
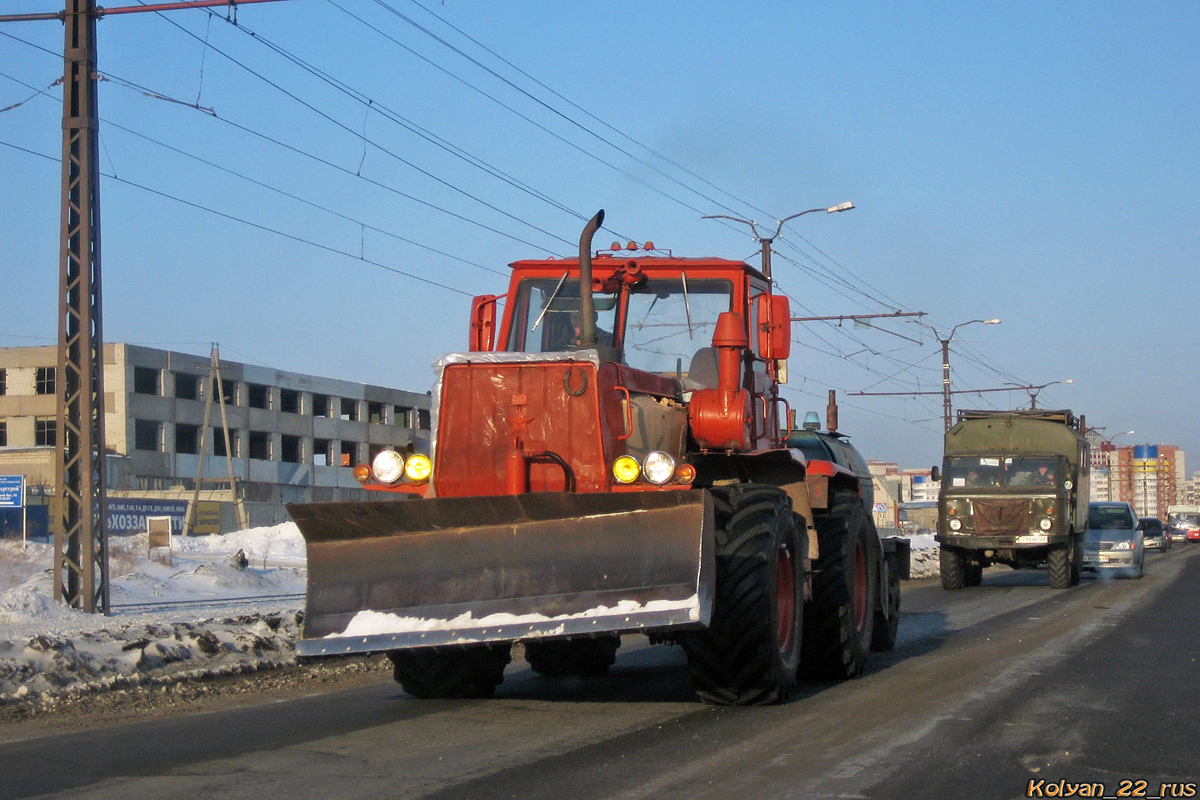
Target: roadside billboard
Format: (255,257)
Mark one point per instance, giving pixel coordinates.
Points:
(127,515)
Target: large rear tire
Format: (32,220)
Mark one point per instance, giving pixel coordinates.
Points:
(451,672)
(1058,564)
(883,638)
(750,652)
(951,568)
(839,621)
(572,657)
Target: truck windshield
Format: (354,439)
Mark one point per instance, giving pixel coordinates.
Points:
(669,319)
(546,316)
(1184,520)
(986,471)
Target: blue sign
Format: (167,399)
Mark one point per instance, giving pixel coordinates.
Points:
(127,515)
(12,491)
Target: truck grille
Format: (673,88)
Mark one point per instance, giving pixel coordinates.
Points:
(1001,516)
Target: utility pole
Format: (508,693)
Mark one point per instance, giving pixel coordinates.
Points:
(80,541)
(78,512)
(214,380)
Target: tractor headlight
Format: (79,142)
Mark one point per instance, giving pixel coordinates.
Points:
(388,466)
(956,524)
(659,467)
(418,468)
(626,469)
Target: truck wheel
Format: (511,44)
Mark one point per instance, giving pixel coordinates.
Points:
(569,657)
(950,565)
(1076,560)
(839,621)
(749,653)
(972,573)
(455,671)
(883,638)
(1058,564)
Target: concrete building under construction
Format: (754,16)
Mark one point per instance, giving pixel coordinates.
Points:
(292,437)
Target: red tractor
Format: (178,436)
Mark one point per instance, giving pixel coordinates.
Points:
(610,457)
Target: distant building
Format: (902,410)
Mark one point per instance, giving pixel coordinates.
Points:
(292,437)
(1148,476)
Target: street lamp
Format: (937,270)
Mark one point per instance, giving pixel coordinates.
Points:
(766,241)
(945,340)
(1035,390)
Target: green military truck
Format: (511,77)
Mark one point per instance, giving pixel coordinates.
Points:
(1014,491)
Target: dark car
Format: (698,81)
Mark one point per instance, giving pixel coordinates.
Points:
(1154,533)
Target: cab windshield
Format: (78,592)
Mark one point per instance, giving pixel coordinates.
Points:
(664,321)
(981,472)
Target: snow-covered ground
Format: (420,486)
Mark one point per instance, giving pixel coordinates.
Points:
(49,651)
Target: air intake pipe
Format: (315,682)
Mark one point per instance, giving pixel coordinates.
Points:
(587,306)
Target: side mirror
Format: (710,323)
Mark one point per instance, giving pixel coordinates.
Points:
(936,475)
(774,336)
(483,323)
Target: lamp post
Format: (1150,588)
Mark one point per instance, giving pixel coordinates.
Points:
(1035,390)
(945,341)
(766,241)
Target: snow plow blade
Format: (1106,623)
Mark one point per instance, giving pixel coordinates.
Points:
(425,573)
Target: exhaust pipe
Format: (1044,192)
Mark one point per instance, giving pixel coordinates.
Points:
(587,307)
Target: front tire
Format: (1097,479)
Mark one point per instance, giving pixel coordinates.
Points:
(750,652)
(839,622)
(456,671)
(1058,564)
(951,568)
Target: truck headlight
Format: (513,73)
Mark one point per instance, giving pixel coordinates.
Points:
(388,466)
(956,524)
(1046,524)
(659,467)
(418,468)
(626,469)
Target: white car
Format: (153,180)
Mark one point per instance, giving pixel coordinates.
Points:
(1113,543)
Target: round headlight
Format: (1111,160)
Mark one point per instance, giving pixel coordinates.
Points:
(956,524)
(388,466)
(418,468)
(626,469)
(659,467)
(1046,524)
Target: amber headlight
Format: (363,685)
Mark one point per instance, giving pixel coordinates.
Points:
(418,468)
(388,466)
(626,469)
(659,467)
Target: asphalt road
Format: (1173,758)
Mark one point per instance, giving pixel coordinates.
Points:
(990,691)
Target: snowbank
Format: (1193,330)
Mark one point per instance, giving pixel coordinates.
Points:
(49,650)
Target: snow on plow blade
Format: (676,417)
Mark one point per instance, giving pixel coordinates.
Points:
(423,573)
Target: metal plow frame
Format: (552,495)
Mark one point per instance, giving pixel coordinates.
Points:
(426,573)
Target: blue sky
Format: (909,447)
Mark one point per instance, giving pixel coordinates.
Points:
(1035,162)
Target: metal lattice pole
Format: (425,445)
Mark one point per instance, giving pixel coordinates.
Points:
(81,552)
